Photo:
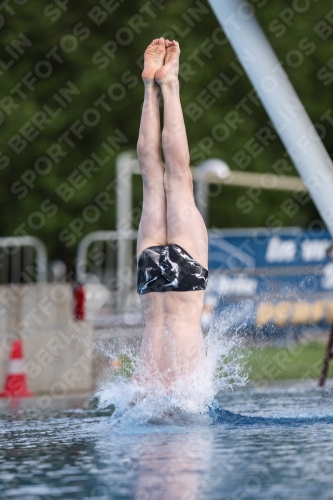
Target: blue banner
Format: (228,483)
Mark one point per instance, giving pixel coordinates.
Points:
(269,282)
(260,247)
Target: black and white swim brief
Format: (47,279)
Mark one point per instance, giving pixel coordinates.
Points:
(169,268)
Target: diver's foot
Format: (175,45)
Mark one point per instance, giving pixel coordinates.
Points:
(153,60)
(169,71)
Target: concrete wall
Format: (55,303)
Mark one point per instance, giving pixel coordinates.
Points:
(58,350)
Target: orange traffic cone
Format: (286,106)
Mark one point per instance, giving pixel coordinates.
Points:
(16,383)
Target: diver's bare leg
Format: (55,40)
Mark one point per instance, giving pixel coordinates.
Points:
(185,225)
(152,228)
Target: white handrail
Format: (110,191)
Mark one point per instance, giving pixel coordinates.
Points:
(81,260)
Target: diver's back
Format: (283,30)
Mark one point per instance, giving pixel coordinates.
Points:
(172,337)
(172,308)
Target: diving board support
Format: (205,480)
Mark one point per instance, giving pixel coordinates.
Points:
(280,100)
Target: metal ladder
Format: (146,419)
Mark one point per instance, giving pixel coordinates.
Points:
(327,359)
(329,347)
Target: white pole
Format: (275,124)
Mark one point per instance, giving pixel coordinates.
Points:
(280,100)
(124,163)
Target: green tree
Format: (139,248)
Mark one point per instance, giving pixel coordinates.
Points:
(72,93)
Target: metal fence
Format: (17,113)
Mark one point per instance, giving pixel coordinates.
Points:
(23,259)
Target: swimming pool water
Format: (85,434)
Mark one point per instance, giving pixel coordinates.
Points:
(282,449)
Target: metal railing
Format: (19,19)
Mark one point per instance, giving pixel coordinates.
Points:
(108,257)
(23,259)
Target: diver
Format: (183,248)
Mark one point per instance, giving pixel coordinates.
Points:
(172,246)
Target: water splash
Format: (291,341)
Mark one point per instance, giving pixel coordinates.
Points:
(190,398)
